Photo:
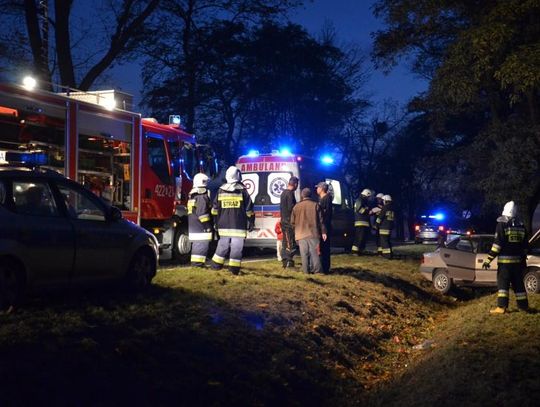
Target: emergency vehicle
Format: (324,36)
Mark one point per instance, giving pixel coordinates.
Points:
(142,167)
(266,176)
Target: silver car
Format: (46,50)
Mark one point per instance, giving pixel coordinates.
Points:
(53,232)
(459,263)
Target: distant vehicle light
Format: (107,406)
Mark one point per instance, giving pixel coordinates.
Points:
(468,232)
(29,83)
(253,153)
(417,228)
(326,159)
(175,120)
(441,228)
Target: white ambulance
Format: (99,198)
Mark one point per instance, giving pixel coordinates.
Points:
(266,176)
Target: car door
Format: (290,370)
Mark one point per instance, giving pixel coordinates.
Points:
(100,244)
(460,259)
(489,275)
(44,235)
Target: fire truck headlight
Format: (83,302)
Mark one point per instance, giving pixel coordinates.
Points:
(29,83)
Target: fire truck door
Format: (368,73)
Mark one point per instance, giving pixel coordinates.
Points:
(100,245)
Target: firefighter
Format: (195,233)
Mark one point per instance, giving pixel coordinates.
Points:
(384,225)
(234,217)
(199,220)
(375,211)
(510,246)
(361,222)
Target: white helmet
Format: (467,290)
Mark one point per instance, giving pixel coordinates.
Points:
(200,180)
(380,195)
(387,198)
(510,209)
(366,193)
(233,174)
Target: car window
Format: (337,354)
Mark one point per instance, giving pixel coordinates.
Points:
(81,206)
(334,188)
(484,245)
(34,199)
(464,245)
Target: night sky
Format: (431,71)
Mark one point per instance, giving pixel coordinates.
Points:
(353,21)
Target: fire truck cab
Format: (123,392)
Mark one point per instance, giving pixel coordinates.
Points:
(142,167)
(266,176)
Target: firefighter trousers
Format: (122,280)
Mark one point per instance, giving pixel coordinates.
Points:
(361,234)
(225,244)
(511,274)
(385,245)
(289,244)
(199,250)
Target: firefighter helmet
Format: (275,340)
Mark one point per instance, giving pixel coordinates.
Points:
(366,193)
(233,175)
(380,195)
(510,209)
(200,180)
(387,198)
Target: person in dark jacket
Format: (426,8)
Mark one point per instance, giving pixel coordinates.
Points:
(307,219)
(510,247)
(286,203)
(199,220)
(234,217)
(325,201)
(384,225)
(361,222)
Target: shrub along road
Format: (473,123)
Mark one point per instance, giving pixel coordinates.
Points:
(201,337)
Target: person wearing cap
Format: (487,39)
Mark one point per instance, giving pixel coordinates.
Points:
(234,217)
(375,212)
(325,201)
(199,220)
(510,246)
(286,203)
(309,229)
(384,225)
(361,222)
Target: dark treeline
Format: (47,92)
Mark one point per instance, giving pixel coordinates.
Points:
(244,77)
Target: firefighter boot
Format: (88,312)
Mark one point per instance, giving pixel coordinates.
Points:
(498,310)
(234,270)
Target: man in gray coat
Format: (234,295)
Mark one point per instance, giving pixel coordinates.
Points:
(309,228)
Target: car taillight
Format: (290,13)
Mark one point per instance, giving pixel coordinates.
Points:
(468,232)
(417,228)
(441,228)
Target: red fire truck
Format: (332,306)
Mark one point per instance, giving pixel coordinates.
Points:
(142,167)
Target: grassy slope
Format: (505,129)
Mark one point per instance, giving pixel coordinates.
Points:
(270,336)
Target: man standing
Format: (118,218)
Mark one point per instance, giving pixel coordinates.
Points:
(233,210)
(385,224)
(287,202)
(325,201)
(376,211)
(307,220)
(361,222)
(510,245)
(199,220)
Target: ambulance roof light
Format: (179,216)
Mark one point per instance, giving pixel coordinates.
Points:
(327,160)
(285,152)
(29,83)
(253,153)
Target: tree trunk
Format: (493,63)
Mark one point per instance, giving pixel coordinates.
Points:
(41,66)
(63,43)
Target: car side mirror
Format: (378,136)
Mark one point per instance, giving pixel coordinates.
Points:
(115,214)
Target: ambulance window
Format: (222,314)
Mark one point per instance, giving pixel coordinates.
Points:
(157,158)
(277,183)
(334,187)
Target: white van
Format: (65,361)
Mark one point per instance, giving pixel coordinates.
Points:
(267,175)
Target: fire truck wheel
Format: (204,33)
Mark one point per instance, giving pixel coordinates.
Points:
(141,271)
(11,284)
(181,245)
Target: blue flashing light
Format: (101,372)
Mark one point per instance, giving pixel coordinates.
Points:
(253,153)
(285,151)
(327,160)
(439,216)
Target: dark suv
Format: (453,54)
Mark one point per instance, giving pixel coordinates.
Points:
(53,231)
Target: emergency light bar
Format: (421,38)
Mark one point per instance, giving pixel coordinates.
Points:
(32,158)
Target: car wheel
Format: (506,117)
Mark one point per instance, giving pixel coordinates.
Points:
(181,245)
(141,271)
(11,284)
(441,281)
(531,282)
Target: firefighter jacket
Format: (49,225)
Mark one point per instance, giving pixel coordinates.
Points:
(385,220)
(199,218)
(361,213)
(511,243)
(233,210)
